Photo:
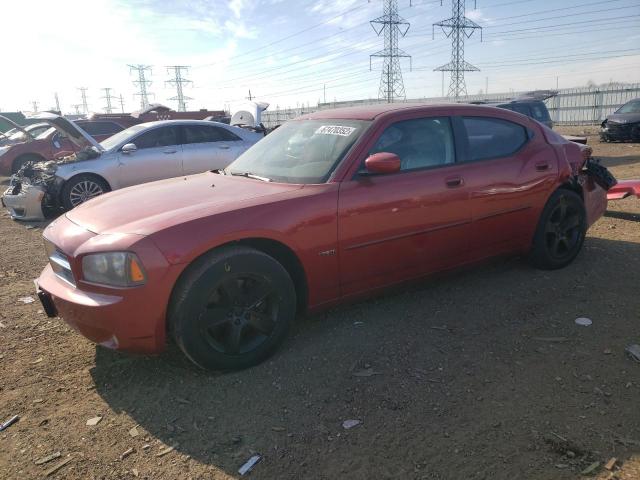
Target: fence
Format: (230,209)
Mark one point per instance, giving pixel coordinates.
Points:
(574,106)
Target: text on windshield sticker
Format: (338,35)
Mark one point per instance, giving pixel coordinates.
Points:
(335,130)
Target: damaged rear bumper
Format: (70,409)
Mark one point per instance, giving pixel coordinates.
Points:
(24,201)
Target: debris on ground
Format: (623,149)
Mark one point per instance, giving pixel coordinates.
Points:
(127,452)
(347,424)
(26,300)
(57,467)
(9,422)
(590,469)
(249,464)
(551,339)
(134,432)
(48,458)
(135,472)
(163,452)
(611,463)
(92,422)
(633,351)
(584,321)
(278,429)
(562,445)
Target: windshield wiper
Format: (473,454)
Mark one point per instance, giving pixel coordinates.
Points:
(250,175)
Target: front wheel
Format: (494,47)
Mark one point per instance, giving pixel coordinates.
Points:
(561,231)
(232,308)
(81,188)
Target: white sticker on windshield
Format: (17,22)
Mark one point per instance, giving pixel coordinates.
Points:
(335,130)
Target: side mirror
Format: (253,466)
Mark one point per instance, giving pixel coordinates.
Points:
(383,162)
(129,148)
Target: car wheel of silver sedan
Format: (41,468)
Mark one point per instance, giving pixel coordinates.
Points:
(81,188)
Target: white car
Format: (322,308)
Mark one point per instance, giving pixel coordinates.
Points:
(142,153)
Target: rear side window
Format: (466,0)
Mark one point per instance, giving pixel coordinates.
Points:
(521,108)
(540,112)
(205,134)
(493,137)
(101,128)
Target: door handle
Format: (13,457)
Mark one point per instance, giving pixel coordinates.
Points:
(454,182)
(223,147)
(169,151)
(541,167)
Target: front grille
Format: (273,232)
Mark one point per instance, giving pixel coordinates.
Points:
(619,128)
(59,262)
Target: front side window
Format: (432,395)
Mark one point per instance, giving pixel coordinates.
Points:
(493,137)
(420,143)
(300,151)
(158,137)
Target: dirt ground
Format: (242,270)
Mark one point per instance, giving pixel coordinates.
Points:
(481,374)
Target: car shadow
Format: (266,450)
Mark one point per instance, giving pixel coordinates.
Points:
(631,217)
(618,161)
(464,375)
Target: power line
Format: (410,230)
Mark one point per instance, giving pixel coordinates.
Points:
(142,83)
(458,27)
(178,82)
(391,25)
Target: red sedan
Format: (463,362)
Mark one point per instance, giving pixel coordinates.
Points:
(329,207)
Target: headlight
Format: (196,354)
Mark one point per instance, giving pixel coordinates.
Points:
(116,269)
(4,149)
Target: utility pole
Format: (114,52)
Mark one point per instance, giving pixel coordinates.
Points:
(55,95)
(107,96)
(458,27)
(83,93)
(324,96)
(250,97)
(178,81)
(142,83)
(121,103)
(76,107)
(392,25)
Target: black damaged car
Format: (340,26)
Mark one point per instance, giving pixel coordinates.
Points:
(622,125)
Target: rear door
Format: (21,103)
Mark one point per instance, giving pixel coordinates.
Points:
(509,171)
(397,226)
(208,147)
(158,156)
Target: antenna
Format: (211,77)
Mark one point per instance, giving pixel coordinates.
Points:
(392,25)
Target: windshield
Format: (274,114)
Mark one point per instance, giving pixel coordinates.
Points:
(122,136)
(631,107)
(300,151)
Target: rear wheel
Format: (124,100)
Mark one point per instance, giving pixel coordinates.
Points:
(81,188)
(561,231)
(232,308)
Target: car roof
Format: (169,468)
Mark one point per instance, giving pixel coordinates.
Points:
(178,122)
(371,112)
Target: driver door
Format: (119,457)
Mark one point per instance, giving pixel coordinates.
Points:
(158,156)
(394,227)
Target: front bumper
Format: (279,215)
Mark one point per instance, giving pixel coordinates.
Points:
(123,322)
(24,202)
(620,132)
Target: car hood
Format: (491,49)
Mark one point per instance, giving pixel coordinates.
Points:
(149,208)
(77,135)
(624,117)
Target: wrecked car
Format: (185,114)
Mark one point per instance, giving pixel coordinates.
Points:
(623,125)
(368,197)
(20,134)
(142,153)
(49,145)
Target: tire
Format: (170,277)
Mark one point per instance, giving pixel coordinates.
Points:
(561,231)
(20,161)
(81,188)
(232,308)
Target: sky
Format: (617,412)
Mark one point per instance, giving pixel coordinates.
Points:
(290,53)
